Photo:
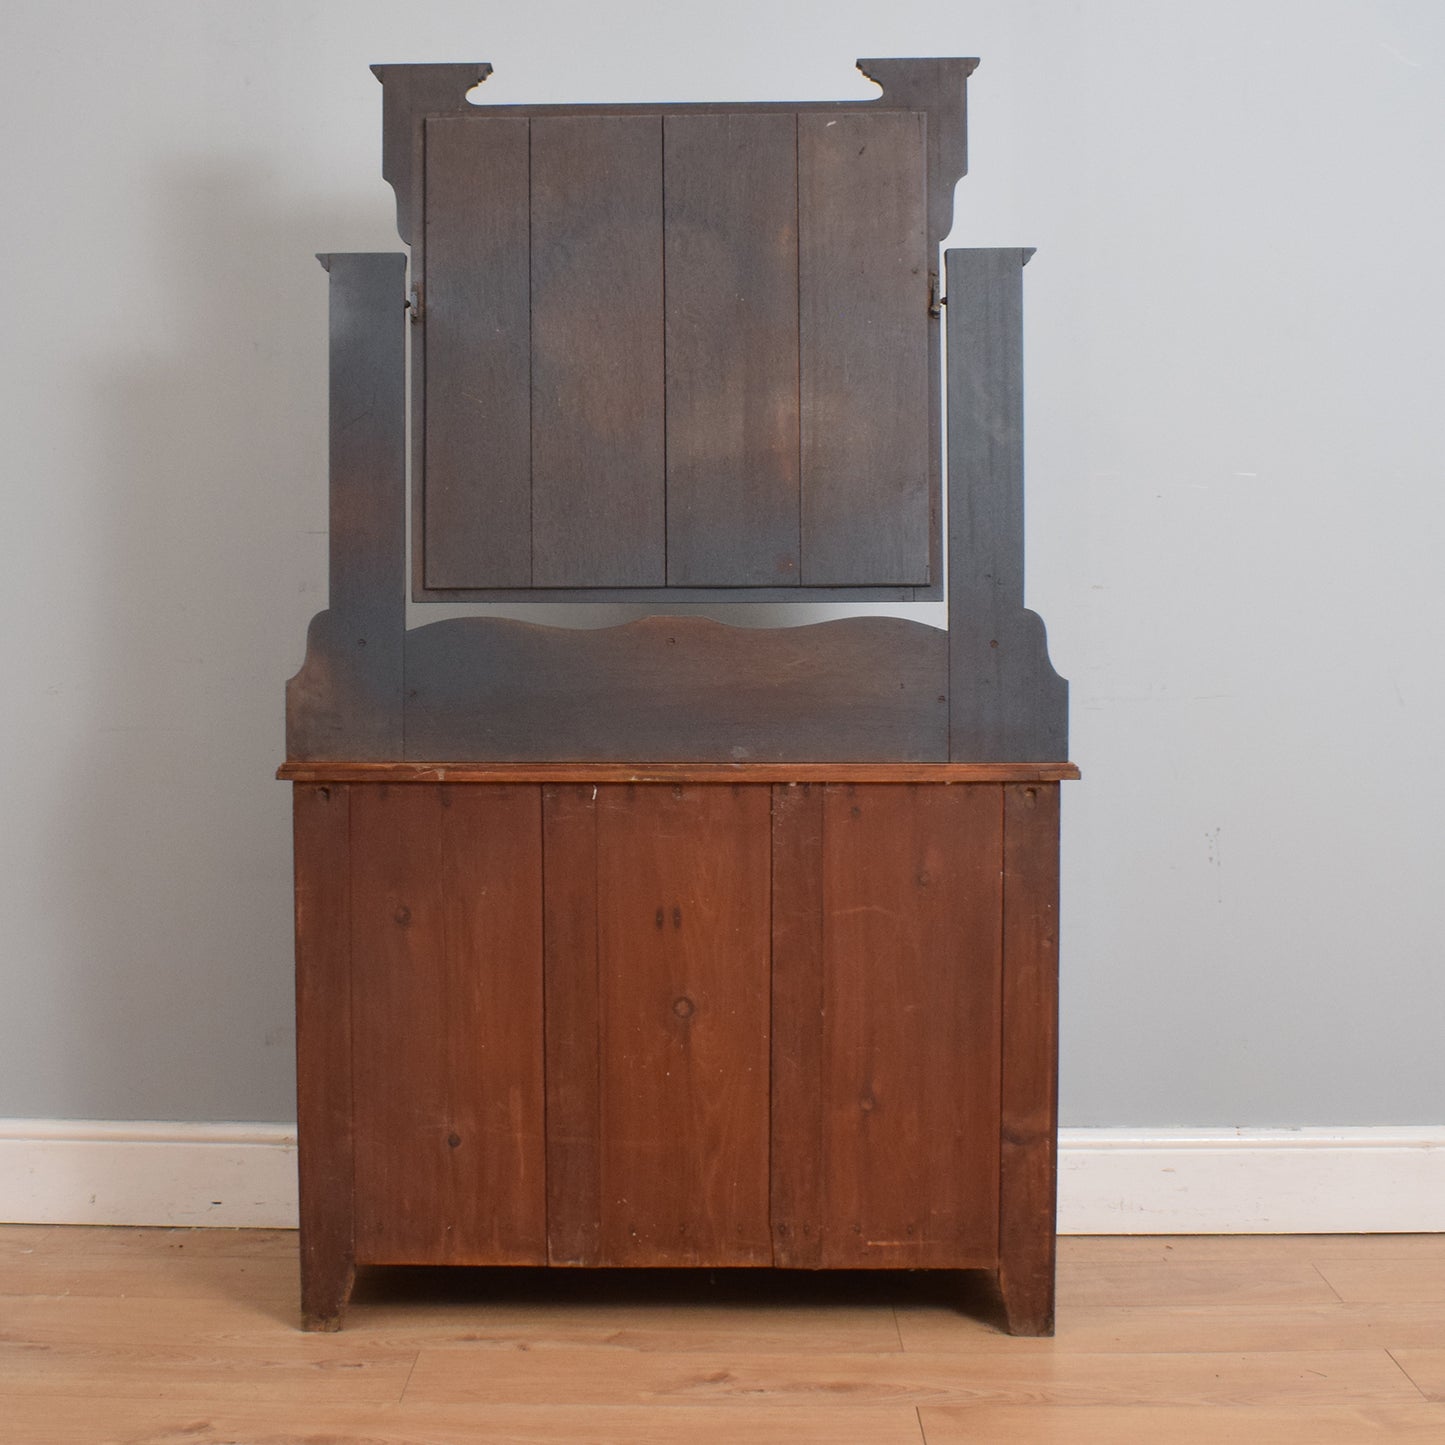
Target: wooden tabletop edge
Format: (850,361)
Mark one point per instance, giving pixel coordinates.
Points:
(698,772)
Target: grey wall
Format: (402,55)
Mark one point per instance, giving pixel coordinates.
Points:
(1235,506)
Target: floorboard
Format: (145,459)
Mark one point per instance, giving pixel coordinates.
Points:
(163,1336)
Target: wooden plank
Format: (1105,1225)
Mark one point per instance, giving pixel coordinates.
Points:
(910,1072)
(1029,1164)
(682,950)
(598,512)
(476,325)
(569,834)
(1007,700)
(863,276)
(346,699)
(1207,1248)
(100,1420)
(321,818)
(858,596)
(1141,1284)
(798,1186)
(1303,1378)
(1167,1326)
(1413,1281)
(411,94)
(731,248)
(1213,1423)
(673,689)
(1426,1370)
(667,1310)
(447,1025)
(685,773)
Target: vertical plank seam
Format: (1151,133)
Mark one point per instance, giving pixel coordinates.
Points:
(662,271)
(945,503)
(774,799)
(798,320)
(597,1151)
(1003,1017)
(818,1205)
(441,830)
(417,410)
(531,292)
(350,1030)
(542,991)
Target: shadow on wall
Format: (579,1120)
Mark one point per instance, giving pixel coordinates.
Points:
(208,512)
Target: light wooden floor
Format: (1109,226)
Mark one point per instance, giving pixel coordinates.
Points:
(133,1336)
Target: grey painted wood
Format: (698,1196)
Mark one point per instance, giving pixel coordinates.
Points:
(476,329)
(413,92)
(1007,702)
(936,85)
(346,700)
(598,515)
(863,274)
(671,689)
(669,596)
(932,86)
(731,259)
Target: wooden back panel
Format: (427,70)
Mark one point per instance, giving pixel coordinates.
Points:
(676,351)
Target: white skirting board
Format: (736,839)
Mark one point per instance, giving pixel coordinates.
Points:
(1111,1181)
(81,1171)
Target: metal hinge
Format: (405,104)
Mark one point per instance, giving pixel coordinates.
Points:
(936,302)
(414,303)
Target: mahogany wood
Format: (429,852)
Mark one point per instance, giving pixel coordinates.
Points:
(799,1183)
(574,1084)
(680,1053)
(446,959)
(1029,1163)
(321,817)
(771,1023)
(907,971)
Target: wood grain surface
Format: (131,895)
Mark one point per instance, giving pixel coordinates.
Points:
(1029,1127)
(598,465)
(680,1054)
(732,348)
(898,1157)
(1006,700)
(346,699)
(863,274)
(573,1024)
(673,689)
(477,502)
(321,820)
(799,1189)
(446,947)
(171,1336)
(638,772)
